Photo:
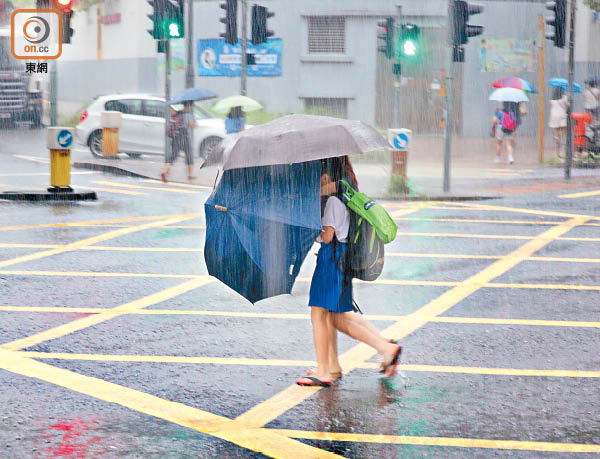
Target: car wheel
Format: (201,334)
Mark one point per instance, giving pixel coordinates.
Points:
(95,143)
(207,146)
(134,155)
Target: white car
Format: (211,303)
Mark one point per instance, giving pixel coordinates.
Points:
(143,126)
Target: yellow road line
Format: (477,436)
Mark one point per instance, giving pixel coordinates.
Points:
(142,249)
(261,440)
(111,190)
(283,316)
(140,187)
(98,274)
(442,441)
(441,255)
(465,235)
(244,361)
(95,319)
(543,286)
(30,246)
(414,207)
(182,185)
(95,222)
(584,194)
(492,221)
(565,259)
(270,409)
(93,240)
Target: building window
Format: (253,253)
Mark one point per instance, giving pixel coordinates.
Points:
(327,34)
(328,106)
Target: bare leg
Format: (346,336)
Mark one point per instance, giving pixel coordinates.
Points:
(361,333)
(191,172)
(510,150)
(498,149)
(165,171)
(321,336)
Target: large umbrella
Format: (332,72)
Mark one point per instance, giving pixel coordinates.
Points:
(193,94)
(246,103)
(296,138)
(508,95)
(563,83)
(260,224)
(514,82)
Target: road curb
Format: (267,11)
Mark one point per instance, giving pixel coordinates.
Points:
(38,196)
(108,168)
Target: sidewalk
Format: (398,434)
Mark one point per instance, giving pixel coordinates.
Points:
(474,175)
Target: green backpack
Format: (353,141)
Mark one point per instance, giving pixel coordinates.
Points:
(370,228)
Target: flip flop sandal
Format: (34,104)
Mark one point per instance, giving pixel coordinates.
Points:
(334,375)
(390,369)
(314,382)
(382,367)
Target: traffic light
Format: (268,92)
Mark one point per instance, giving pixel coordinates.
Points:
(559,8)
(386,33)
(173,24)
(260,33)
(230,21)
(409,44)
(461,29)
(158,13)
(66,11)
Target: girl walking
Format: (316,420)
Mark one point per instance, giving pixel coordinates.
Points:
(331,290)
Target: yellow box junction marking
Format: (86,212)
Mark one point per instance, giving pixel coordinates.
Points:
(94,240)
(442,441)
(270,409)
(260,440)
(111,190)
(141,187)
(182,185)
(88,321)
(307,363)
(585,194)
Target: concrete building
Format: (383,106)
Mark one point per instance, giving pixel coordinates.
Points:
(330,62)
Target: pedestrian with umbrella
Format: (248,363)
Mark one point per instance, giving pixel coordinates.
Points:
(181,126)
(265,214)
(235,107)
(506,120)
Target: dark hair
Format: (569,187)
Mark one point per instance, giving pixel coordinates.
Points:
(557,93)
(338,168)
(235,112)
(592,83)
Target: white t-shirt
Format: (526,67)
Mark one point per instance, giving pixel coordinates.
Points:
(336,215)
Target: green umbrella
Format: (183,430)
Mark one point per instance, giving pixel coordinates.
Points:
(247,104)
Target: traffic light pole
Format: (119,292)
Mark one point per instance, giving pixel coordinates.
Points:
(569,153)
(189,69)
(397,77)
(449,92)
(244,43)
(53,91)
(167,94)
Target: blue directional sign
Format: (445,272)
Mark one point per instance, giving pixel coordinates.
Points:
(64,138)
(217,58)
(401,141)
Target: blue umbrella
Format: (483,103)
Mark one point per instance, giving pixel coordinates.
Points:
(192,94)
(260,224)
(564,84)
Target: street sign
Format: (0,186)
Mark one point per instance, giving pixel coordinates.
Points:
(401,141)
(217,58)
(64,138)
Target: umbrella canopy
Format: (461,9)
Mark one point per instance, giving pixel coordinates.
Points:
(192,94)
(247,104)
(563,83)
(260,224)
(514,82)
(594,79)
(508,95)
(294,139)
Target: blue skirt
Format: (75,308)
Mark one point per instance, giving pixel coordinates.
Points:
(326,287)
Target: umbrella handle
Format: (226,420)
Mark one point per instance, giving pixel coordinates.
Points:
(224,209)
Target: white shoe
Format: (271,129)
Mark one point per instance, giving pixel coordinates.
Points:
(497,160)
(511,159)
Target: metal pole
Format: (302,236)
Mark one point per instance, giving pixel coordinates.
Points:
(569,156)
(167,94)
(189,67)
(448,108)
(397,77)
(541,86)
(99,32)
(53,91)
(243,40)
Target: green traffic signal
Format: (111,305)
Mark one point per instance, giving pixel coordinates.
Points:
(409,44)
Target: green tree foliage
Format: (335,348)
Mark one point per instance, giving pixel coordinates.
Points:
(593,4)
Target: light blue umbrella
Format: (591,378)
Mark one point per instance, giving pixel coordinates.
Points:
(192,94)
(563,83)
(508,95)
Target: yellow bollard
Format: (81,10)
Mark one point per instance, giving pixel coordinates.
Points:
(399,139)
(111,122)
(59,142)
